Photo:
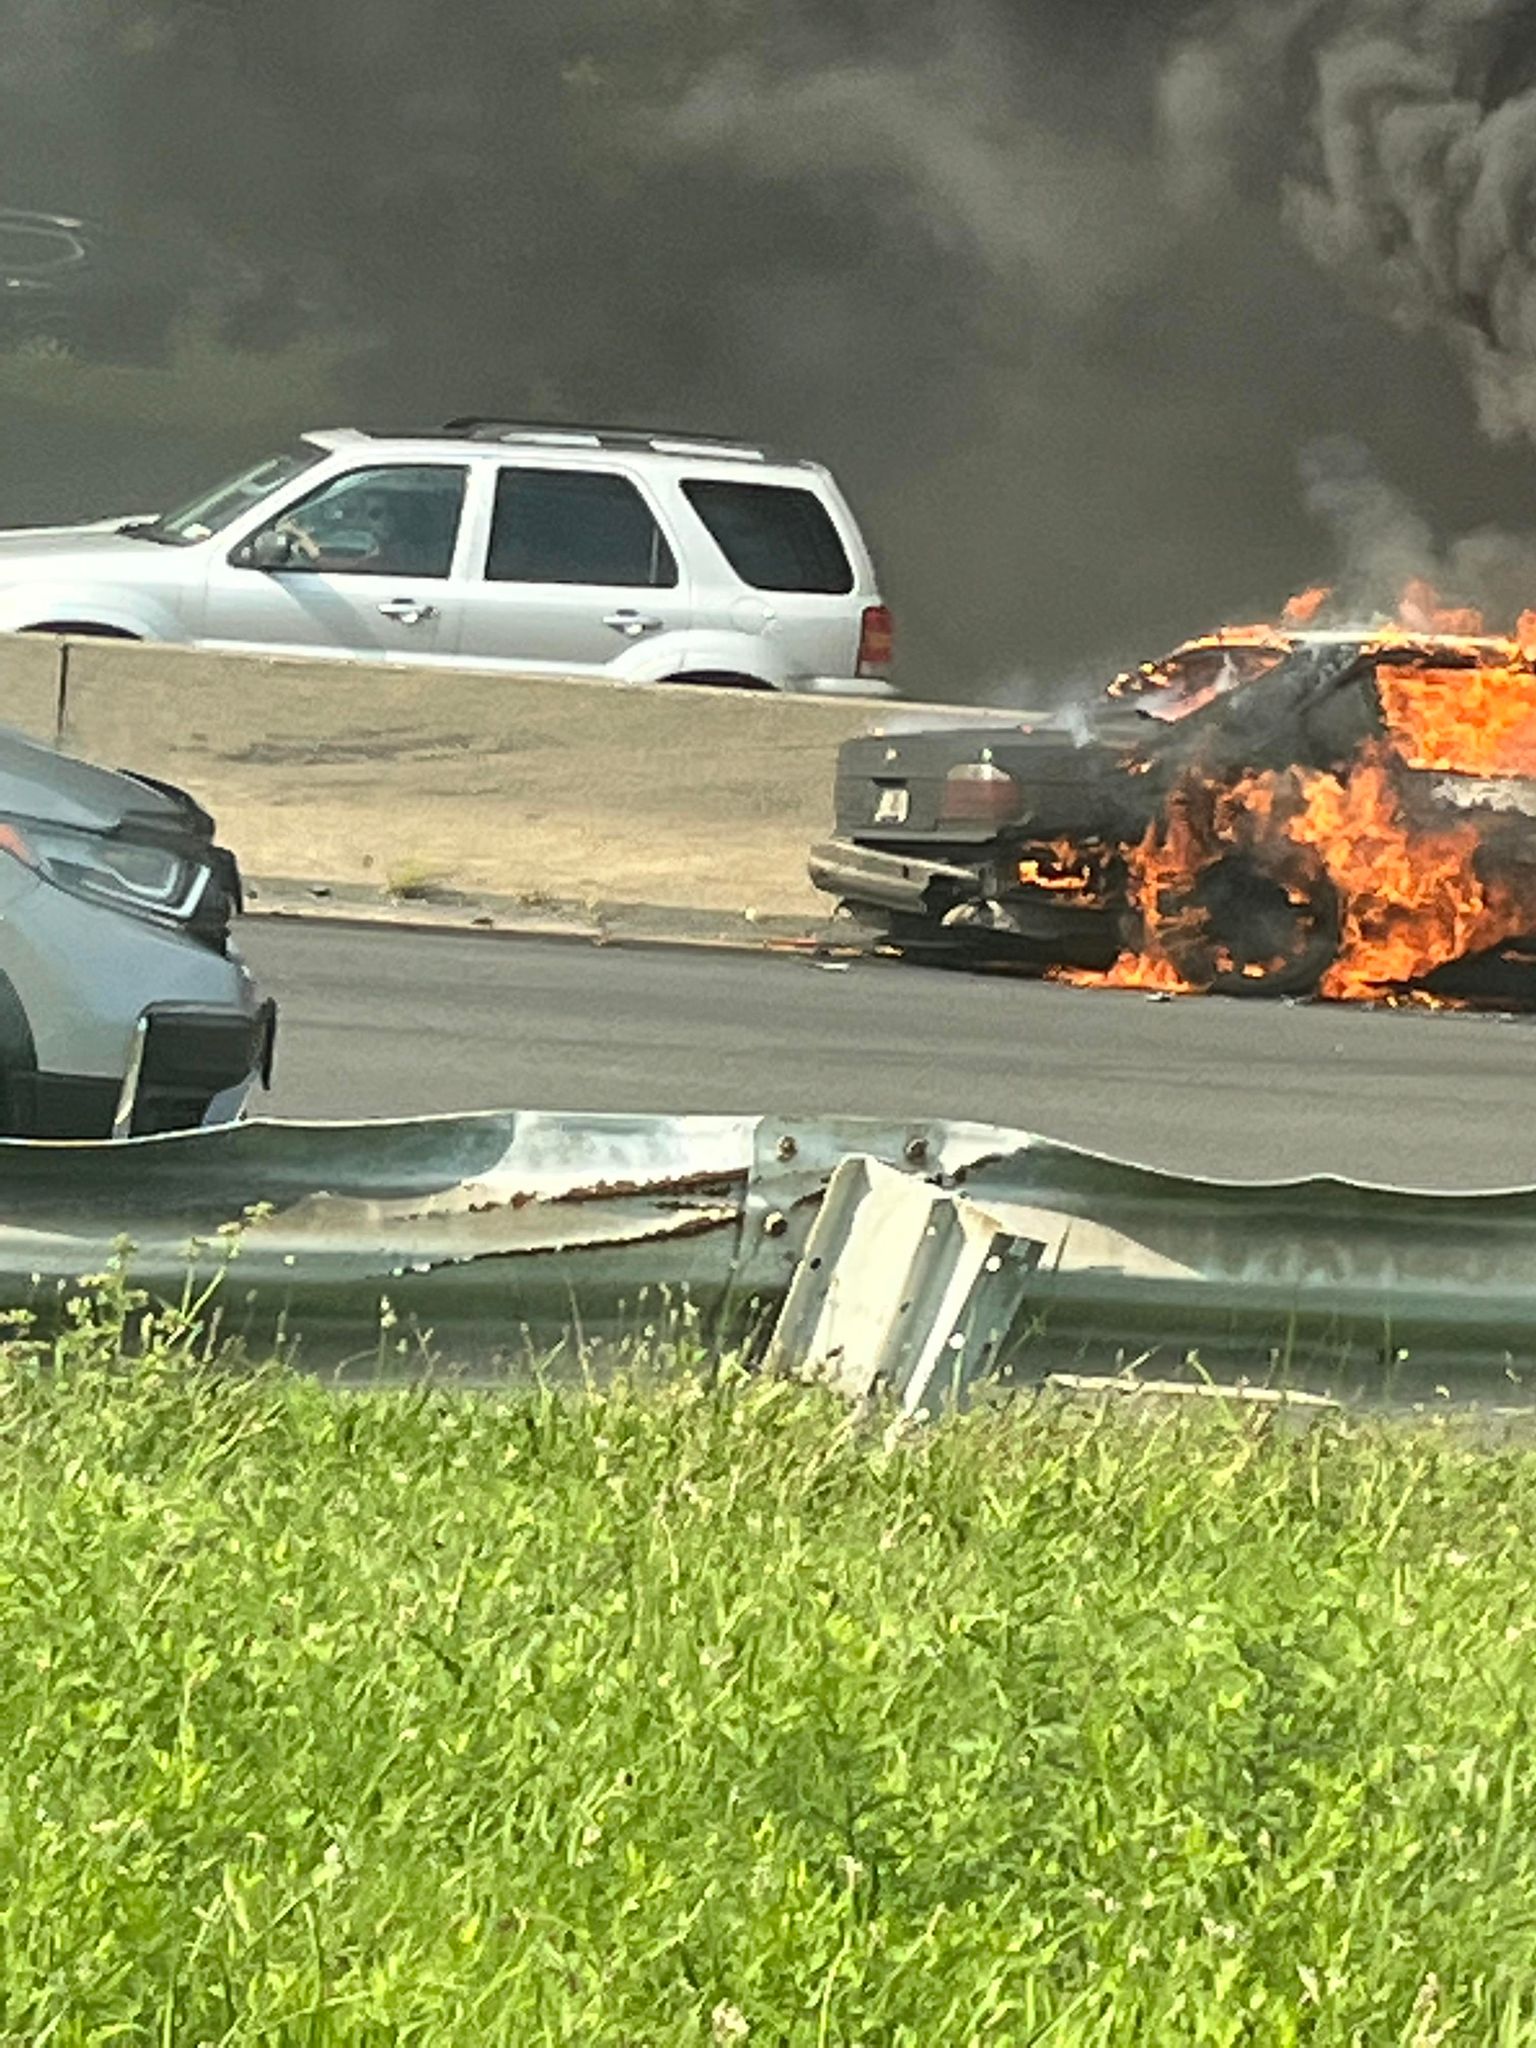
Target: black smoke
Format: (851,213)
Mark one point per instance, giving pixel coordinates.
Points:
(1407,164)
(1040,281)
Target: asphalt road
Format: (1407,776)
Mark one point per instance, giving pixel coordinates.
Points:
(379,1024)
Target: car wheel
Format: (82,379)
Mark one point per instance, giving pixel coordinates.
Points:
(1263,926)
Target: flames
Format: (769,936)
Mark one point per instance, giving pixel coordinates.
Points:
(1060,866)
(1305,606)
(1468,720)
(1421,611)
(1412,896)
(1394,878)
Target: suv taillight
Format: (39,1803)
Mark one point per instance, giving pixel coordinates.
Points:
(877,640)
(977,793)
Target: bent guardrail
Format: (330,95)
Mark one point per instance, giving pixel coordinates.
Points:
(487,1241)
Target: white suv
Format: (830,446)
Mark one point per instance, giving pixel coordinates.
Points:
(609,551)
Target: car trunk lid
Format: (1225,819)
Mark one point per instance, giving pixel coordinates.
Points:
(964,785)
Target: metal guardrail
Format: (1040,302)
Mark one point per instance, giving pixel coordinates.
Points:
(491,1240)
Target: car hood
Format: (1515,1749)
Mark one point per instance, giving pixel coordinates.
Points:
(56,789)
(43,550)
(113,524)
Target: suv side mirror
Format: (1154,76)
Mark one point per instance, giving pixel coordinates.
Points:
(268,549)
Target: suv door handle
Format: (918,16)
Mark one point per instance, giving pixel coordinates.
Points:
(407,610)
(632,623)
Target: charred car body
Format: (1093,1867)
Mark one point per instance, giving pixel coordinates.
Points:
(1233,811)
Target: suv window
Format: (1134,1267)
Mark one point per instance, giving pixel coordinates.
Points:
(575,526)
(774,536)
(397,520)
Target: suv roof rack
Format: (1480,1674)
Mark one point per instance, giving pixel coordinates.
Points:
(572,433)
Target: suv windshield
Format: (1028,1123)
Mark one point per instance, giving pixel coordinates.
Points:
(211,511)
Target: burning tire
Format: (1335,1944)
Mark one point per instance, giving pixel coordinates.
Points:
(1252,926)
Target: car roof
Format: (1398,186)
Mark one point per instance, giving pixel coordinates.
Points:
(1370,639)
(575,442)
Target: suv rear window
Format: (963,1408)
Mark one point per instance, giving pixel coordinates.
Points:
(575,526)
(774,536)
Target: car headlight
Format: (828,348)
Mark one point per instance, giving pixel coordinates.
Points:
(152,881)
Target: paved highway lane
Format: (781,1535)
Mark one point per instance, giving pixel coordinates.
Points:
(391,1023)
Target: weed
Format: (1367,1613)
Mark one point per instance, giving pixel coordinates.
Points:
(412,880)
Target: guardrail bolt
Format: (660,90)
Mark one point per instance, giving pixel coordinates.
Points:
(775,1223)
(917,1151)
(787,1148)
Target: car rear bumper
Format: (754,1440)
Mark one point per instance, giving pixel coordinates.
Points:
(967,902)
(892,881)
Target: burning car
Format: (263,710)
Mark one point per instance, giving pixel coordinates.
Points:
(1264,811)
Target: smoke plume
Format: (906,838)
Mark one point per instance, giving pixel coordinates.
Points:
(1415,179)
(1023,272)
(1380,544)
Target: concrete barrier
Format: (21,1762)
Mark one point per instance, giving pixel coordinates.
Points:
(535,788)
(30,670)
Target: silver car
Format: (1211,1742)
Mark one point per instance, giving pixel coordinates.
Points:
(572,550)
(125,1008)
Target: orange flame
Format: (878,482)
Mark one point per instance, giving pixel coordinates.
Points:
(1149,971)
(1412,897)
(1414,892)
(1421,611)
(1465,720)
(1058,865)
(1304,607)
(1172,852)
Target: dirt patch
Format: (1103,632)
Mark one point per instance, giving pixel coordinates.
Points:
(507,786)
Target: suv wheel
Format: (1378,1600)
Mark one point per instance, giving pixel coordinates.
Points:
(719,679)
(66,628)
(1270,927)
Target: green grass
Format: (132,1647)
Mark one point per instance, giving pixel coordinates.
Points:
(695,1713)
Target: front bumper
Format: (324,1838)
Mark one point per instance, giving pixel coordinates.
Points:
(188,1067)
(113,1023)
(186,1061)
